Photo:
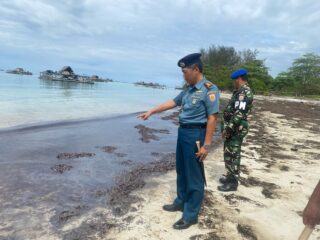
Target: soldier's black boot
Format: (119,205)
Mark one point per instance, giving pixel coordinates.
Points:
(172,208)
(229,186)
(225,179)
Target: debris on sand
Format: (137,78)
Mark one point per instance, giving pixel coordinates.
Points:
(208,236)
(148,134)
(127,162)
(173,117)
(61,217)
(247,232)
(268,189)
(120,154)
(210,216)
(284,168)
(95,228)
(112,149)
(109,149)
(244,169)
(74,155)
(120,197)
(61,168)
(234,199)
(156,154)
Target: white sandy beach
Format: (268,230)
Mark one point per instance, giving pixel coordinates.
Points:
(281,166)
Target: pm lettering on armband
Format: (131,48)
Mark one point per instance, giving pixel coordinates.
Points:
(241,105)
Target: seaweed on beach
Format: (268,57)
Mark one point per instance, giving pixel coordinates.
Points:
(95,228)
(210,216)
(127,162)
(173,117)
(119,196)
(234,199)
(61,168)
(109,149)
(295,110)
(61,217)
(268,189)
(112,150)
(284,168)
(247,232)
(148,134)
(207,236)
(120,154)
(74,155)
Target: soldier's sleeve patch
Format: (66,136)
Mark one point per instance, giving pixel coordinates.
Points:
(212,96)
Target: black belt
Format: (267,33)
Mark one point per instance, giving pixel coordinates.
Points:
(193,125)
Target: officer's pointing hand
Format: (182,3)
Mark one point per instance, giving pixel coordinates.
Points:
(144,116)
(202,154)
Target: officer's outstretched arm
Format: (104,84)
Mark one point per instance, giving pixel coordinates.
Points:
(162,107)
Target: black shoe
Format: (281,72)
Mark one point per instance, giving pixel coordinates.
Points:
(224,179)
(228,187)
(172,208)
(183,224)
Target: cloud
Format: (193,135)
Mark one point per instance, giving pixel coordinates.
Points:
(142,40)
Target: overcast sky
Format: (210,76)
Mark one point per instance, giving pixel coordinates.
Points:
(143,40)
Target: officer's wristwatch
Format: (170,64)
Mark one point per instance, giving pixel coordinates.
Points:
(206,146)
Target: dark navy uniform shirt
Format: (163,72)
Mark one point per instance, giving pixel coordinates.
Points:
(198,102)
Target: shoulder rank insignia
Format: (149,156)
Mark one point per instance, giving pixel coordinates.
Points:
(208,85)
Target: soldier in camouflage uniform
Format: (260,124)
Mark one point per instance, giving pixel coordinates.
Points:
(235,128)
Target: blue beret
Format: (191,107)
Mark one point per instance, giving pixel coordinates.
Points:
(238,73)
(189,60)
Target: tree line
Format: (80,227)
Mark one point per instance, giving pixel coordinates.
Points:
(301,79)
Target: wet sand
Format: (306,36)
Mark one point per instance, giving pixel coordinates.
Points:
(280,168)
(67,180)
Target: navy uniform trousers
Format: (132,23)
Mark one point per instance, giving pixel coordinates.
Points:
(190,182)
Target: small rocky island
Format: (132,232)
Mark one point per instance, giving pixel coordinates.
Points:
(150,84)
(19,71)
(66,74)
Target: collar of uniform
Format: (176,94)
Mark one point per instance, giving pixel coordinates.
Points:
(199,84)
(243,86)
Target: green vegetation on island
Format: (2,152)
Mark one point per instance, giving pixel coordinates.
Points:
(302,79)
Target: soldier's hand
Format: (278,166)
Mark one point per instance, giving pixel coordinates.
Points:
(144,116)
(225,135)
(202,154)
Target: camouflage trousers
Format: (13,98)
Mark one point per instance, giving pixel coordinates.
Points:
(232,156)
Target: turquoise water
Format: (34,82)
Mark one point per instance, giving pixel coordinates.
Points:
(29,100)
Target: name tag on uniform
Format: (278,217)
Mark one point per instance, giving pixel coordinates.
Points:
(196,96)
(195,99)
